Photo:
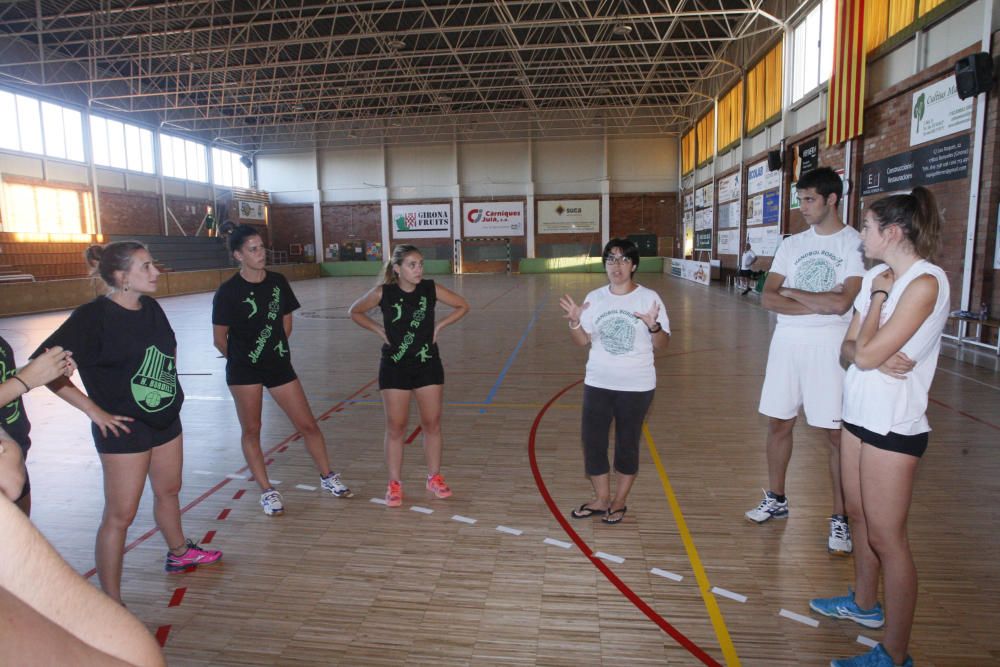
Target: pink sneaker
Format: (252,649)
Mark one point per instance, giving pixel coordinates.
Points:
(394,494)
(193,557)
(436,485)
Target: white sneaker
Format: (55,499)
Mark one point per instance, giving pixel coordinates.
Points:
(270,500)
(839,543)
(333,484)
(769,508)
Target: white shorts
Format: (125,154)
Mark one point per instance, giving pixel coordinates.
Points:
(803,370)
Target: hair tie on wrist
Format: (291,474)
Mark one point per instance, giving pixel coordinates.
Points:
(23,383)
(579,323)
(880,291)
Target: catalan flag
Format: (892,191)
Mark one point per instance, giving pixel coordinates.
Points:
(846,99)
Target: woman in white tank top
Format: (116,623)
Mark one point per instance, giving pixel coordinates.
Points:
(892,346)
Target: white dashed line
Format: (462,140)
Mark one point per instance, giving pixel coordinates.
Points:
(557,543)
(509,531)
(867,641)
(805,620)
(203,472)
(463,519)
(610,557)
(729,594)
(378,501)
(422,510)
(305,487)
(236,475)
(666,575)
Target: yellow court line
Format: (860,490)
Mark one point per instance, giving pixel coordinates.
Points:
(711,604)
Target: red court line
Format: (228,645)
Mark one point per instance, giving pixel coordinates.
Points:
(161,634)
(965,414)
(650,613)
(175,599)
(282,449)
(153,531)
(222,515)
(209,536)
(413,436)
(239,494)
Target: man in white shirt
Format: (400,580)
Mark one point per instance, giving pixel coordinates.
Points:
(746,273)
(813,281)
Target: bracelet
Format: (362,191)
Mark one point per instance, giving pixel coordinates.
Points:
(579,324)
(23,383)
(880,291)
(658,328)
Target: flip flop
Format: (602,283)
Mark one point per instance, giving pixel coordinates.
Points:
(615,516)
(584,512)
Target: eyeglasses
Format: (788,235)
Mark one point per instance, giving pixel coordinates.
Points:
(617,259)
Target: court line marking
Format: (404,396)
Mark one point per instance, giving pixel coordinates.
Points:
(805,620)
(966,377)
(513,355)
(422,510)
(704,587)
(556,543)
(463,519)
(866,641)
(611,557)
(666,574)
(964,414)
(305,487)
(729,594)
(629,594)
(197,501)
(510,531)
(378,501)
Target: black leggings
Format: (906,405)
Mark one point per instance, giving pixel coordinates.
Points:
(627,409)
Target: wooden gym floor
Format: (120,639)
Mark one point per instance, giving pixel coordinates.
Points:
(491,576)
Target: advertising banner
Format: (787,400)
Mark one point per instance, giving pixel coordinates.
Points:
(729,215)
(759,178)
(808,156)
(755,210)
(936,111)
(764,240)
(503,218)
(421,221)
(688,201)
(703,196)
(946,160)
(729,242)
(571,216)
(729,187)
(772,202)
(250,210)
(698,272)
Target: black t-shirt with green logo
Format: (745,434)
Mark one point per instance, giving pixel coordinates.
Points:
(127,358)
(408,318)
(12,416)
(254,313)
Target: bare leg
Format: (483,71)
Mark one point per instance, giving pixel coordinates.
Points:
(602,492)
(835,480)
(396,403)
(124,477)
(886,492)
(623,484)
(249,399)
(429,403)
(779,452)
(165,466)
(292,400)
(866,563)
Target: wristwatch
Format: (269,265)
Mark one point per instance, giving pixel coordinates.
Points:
(656,328)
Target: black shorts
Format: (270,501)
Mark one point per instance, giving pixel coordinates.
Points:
(745,273)
(391,376)
(914,445)
(269,377)
(142,438)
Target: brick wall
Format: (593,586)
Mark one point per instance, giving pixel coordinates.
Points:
(649,213)
(131,213)
(292,224)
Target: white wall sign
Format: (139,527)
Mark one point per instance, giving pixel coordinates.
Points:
(755,210)
(764,240)
(760,178)
(250,210)
(729,242)
(936,111)
(703,196)
(703,219)
(421,221)
(729,215)
(729,187)
(569,216)
(503,218)
(699,272)
(688,201)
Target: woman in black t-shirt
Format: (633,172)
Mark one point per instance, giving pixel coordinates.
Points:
(14,424)
(251,322)
(410,360)
(126,352)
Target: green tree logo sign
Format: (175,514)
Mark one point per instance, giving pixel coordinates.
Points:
(918,110)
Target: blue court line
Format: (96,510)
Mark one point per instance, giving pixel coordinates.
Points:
(513,355)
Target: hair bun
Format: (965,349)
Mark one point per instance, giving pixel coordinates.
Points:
(94,253)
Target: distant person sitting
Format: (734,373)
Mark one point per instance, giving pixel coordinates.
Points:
(745,275)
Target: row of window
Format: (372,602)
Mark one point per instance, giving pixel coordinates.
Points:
(49,129)
(812,43)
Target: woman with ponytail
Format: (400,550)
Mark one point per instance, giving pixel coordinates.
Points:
(411,364)
(127,356)
(892,345)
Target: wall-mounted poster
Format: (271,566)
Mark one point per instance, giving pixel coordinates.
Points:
(760,178)
(688,201)
(421,221)
(729,215)
(936,111)
(703,196)
(729,242)
(250,210)
(772,204)
(946,160)
(569,216)
(502,218)
(764,240)
(808,152)
(729,187)
(703,229)
(755,210)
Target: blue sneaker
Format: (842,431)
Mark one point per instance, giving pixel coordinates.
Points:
(877,657)
(845,607)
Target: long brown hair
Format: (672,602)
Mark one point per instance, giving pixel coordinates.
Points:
(916,214)
(399,253)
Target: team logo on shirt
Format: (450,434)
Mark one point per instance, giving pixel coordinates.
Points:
(154,386)
(15,405)
(617,331)
(816,272)
(253,305)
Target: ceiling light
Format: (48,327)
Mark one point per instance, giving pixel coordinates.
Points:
(395,43)
(622,29)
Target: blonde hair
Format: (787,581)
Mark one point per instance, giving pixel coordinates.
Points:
(107,259)
(399,254)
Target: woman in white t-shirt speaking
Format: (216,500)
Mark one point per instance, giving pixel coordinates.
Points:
(892,344)
(623,322)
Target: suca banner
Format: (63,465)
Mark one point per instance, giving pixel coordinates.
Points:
(569,216)
(698,272)
(495,218)
(250,210)
(421,221)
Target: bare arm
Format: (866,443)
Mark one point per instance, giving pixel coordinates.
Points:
(220,338)
(875,345)
(359,312)
(456,301)
(826,303)
(573,312)
(773,301)
(68,617)
(44,368)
